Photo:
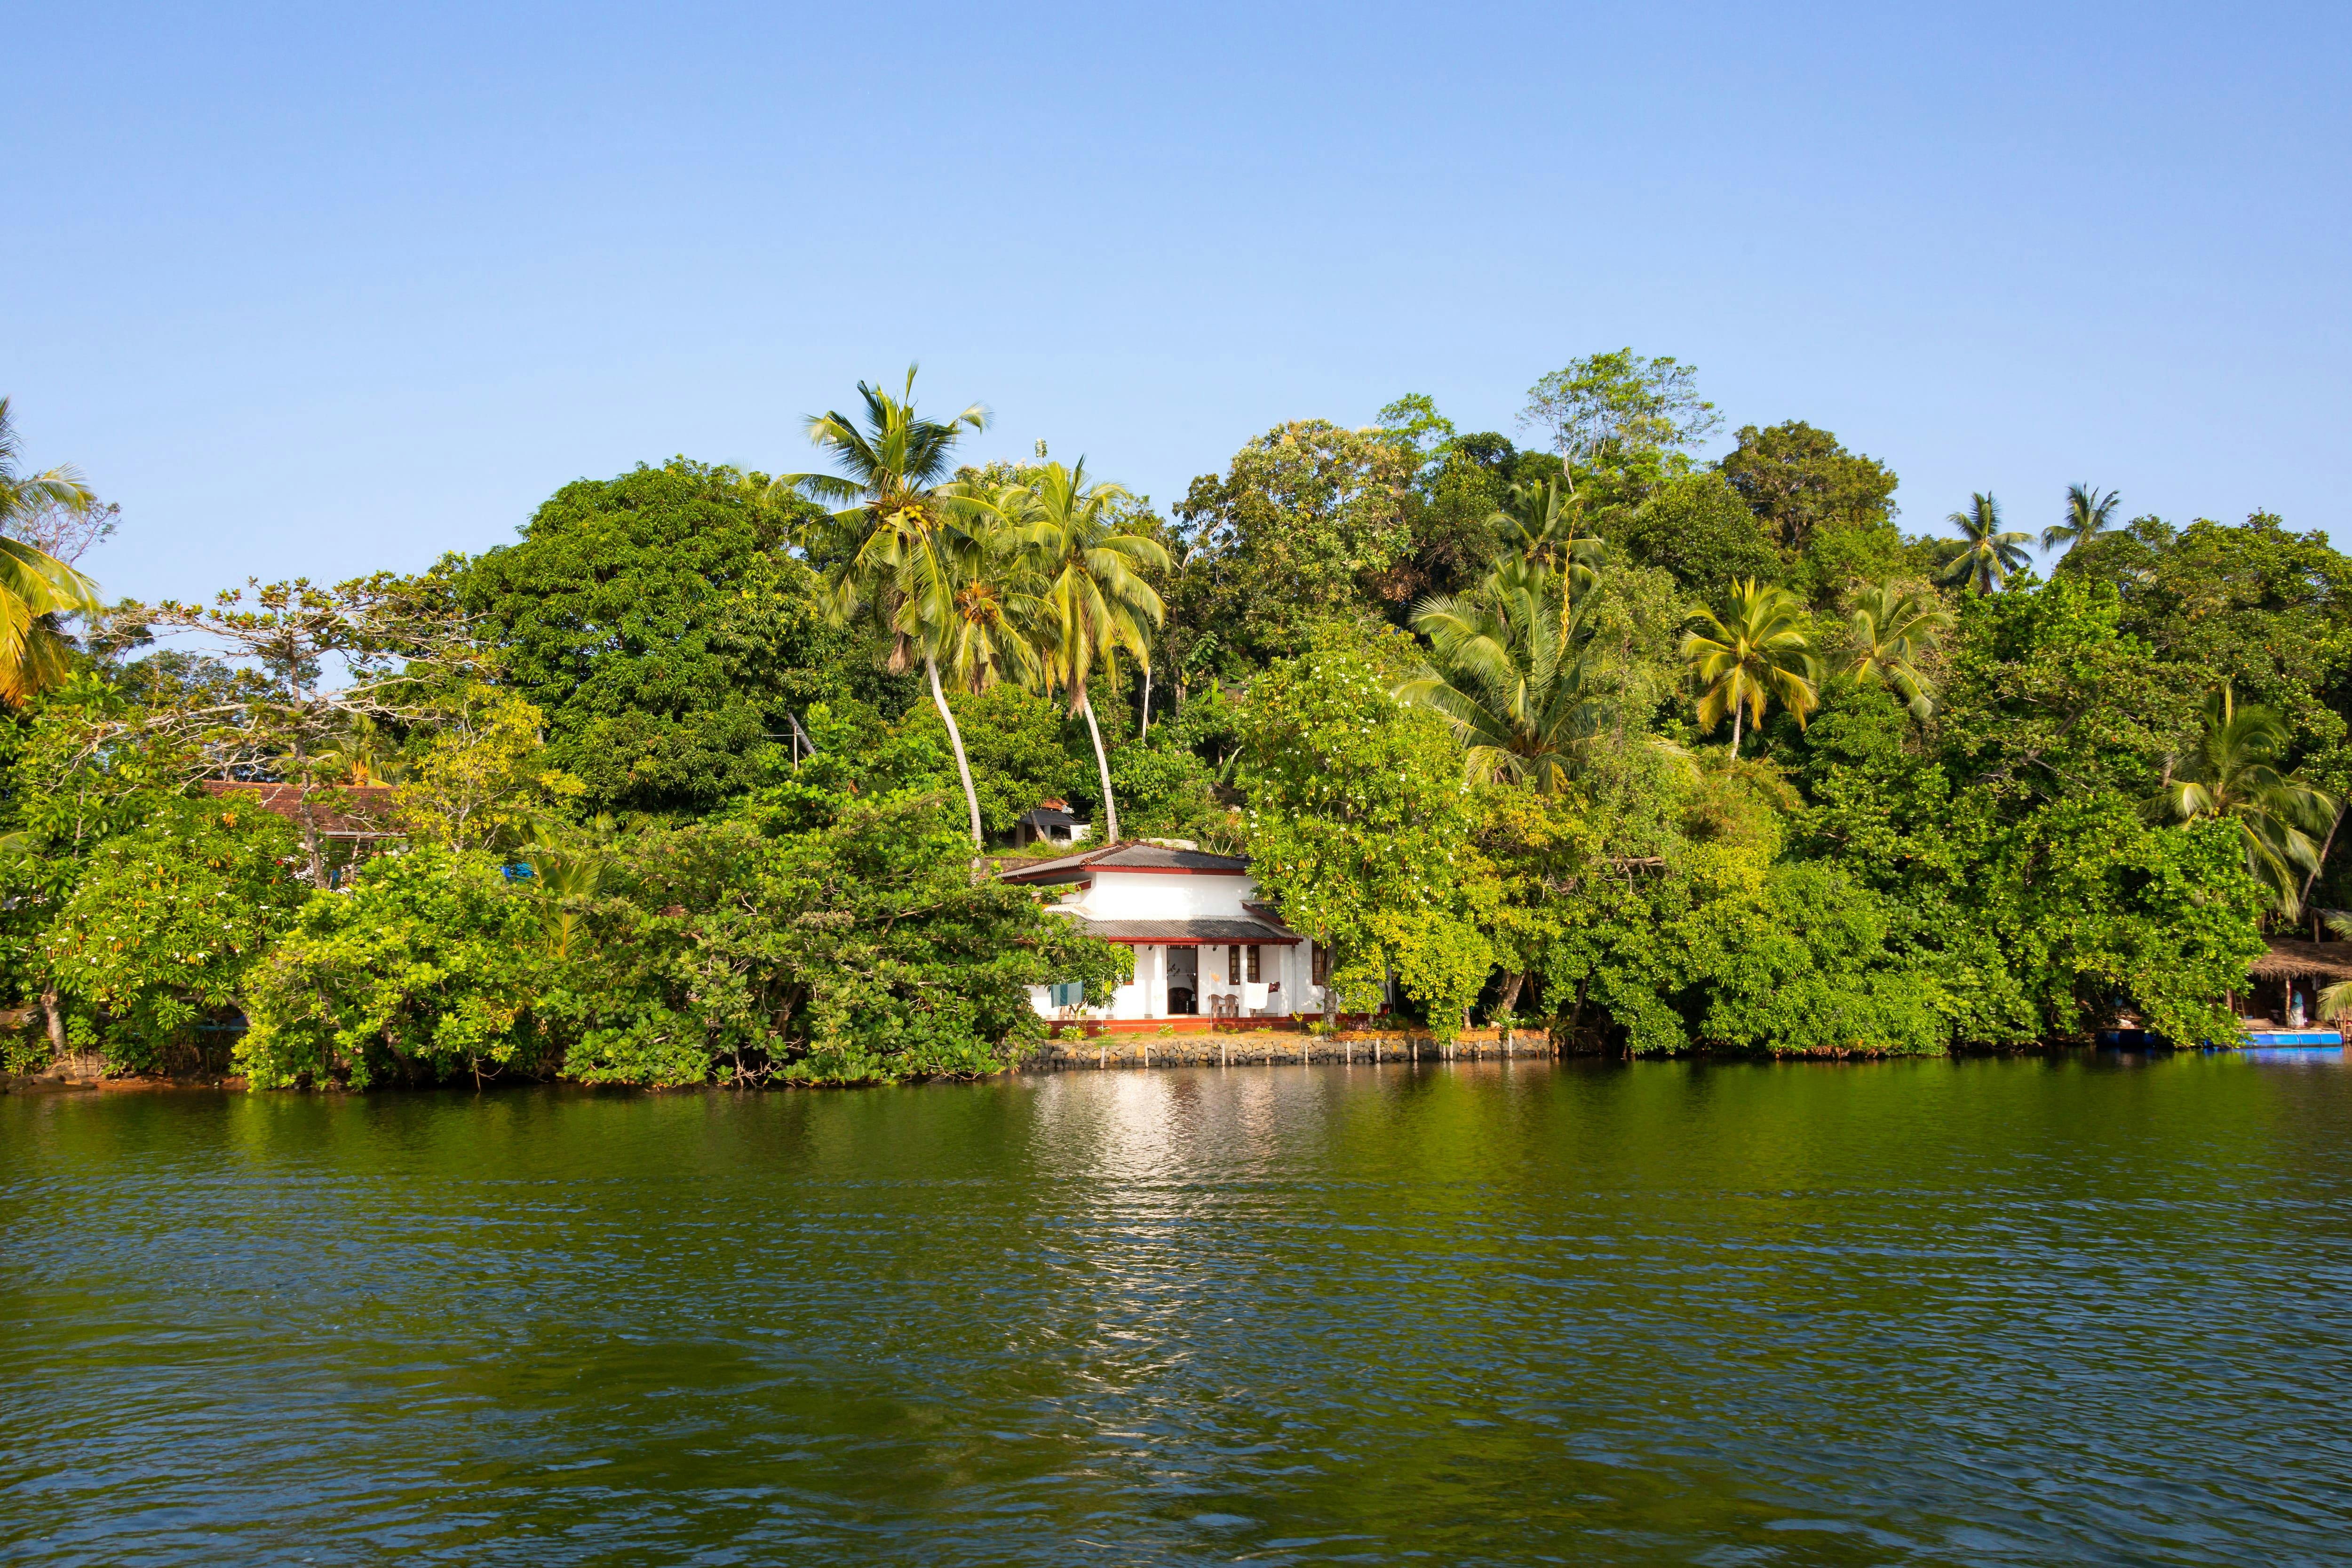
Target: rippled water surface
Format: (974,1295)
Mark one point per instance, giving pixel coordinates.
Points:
(1990,1312)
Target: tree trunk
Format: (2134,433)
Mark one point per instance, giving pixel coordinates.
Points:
(1738,712)
(955,739)
(57,1021)
(1102,768)
(1145,732)
(309,816)
(1511,990)
(2317,866)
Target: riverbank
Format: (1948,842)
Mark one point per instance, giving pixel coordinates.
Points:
(1072,1051)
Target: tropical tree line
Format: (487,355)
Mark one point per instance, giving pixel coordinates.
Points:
(1571,729)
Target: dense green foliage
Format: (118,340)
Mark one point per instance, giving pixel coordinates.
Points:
(163,926)
(1661,752)
(658,623)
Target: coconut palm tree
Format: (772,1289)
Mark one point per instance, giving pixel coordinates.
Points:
(2234,773)
(1889,630)
(994,608)
(2088,515)
(1545,521)
(1506,670)
(1096,604)
(1759,651)
(890,549)
(1543,527)
(33,584)
(2336,1000)
(1985,554)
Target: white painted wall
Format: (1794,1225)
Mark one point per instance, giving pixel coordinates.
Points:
(1146,896)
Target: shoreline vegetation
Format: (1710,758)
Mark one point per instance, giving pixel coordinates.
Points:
(1130,1053)
(1573,734)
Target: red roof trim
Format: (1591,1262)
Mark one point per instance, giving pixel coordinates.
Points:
(1204,942)
(1164,870)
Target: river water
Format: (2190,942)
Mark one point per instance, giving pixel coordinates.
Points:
(1984,1311)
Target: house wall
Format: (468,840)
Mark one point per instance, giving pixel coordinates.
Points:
(1150,896)
(1277,990)
(1282,988)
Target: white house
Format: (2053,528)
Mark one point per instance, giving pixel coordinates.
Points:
(1204,945)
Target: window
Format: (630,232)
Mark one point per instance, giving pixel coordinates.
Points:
(1233,966)
(1253,974)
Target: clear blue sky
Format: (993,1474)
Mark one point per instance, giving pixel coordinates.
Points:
(319,289)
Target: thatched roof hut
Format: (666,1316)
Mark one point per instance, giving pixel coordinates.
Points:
(2292,960)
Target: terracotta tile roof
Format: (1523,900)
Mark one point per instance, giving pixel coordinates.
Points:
(359,811)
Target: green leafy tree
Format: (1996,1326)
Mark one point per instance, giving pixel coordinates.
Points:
(1756,650)
(1414,423)
(2255,606)
(1604,405)
(819,937)
(1696,526)
(1801,482)
(2047,694)
(1309,520)
(1171,793)
(2013,855)
(83,764)
(318,661)
(485,778)
(1987,553)
(656,622)
(1360,830)
(162,929)
(1808,963)
(2088,901)
(1016,742)
(430,965)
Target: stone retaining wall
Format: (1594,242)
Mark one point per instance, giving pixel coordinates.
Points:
(1270,1050)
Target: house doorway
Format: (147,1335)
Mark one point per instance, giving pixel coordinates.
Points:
(1184,980)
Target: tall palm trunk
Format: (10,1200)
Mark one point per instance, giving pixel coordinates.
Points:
(1738,712)
(2317,866)
(955,739)
(1102,768)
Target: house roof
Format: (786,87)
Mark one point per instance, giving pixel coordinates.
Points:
(1048,817)
(1188,932)
(1127,856)
(2290,960)
(354,811)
